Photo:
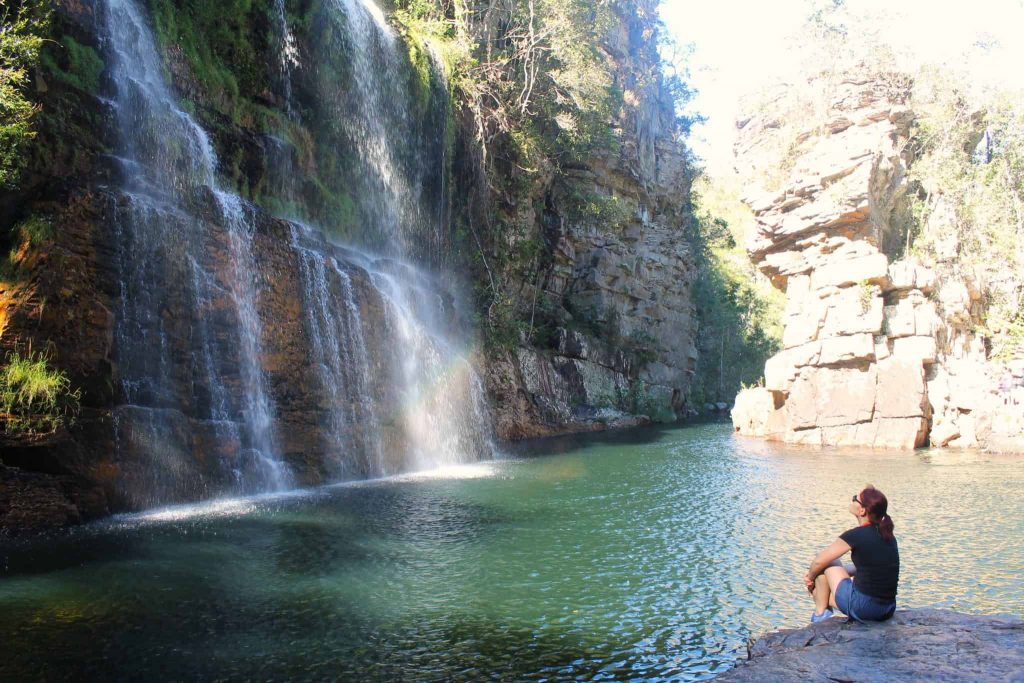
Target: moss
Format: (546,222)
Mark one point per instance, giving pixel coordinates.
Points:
(30,232)
(222,44)
(73,64)
(36,230)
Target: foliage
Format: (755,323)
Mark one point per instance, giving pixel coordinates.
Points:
(969,213)
(538,88)
(587,206)
(641,347)
(30,232)
(33,396)
(738,312)
(865,294)
(220,43)
(23,25)
(635,398)
(83,64)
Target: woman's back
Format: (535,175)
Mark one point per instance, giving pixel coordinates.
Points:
(877,561)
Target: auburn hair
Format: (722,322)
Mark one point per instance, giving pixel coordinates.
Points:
(877,507)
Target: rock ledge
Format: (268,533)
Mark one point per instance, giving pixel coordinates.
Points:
(915,645)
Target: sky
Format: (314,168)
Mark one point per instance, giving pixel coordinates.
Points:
(736,46)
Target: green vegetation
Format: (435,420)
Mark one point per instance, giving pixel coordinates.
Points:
(35,398)
(81,68)
(739,313)
(865,294)
(220,43)
(23,25)
(969,211)
(31,232)
(536,88)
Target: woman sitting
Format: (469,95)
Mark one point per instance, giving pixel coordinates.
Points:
(876,565)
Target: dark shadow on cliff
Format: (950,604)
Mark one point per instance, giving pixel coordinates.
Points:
(633,436)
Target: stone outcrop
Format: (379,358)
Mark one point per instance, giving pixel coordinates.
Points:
(876,351)
(626,353)
(915,645)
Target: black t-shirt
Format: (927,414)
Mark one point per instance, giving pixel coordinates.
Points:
(877,562)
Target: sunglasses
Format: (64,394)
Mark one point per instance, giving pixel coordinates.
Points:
(856,500)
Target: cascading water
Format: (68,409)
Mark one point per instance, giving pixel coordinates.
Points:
(180,378)
(445,414)
(437,401)
(416,391)
(342,365)
(288,55)
(386,344)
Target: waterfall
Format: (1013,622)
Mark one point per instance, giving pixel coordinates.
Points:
(174,366)
(444,410)
(288,56)
(422,378)
(384,339)
(342,364)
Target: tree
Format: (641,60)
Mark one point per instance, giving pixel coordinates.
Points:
(22,27)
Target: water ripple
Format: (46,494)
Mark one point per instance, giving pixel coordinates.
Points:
(649,555)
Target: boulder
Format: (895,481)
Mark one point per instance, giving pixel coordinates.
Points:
(908,274)
(901,389)
(831,397)
(915,645)
(755,413)
(871,268)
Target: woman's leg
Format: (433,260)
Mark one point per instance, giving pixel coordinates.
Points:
(821,594)
(834,573)
(824,589)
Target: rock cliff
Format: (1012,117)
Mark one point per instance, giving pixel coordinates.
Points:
(877,349)
(621,350)
(622,356)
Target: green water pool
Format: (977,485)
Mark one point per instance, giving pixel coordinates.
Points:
(648,554)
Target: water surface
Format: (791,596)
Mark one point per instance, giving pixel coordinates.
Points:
(647,554)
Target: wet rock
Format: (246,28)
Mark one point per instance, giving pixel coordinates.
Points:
(915,645)
(33,501)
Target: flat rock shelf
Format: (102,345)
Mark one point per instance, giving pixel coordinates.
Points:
(915,645)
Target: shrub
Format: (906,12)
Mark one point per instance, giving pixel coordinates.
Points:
(22,27)
(35,397)
(969,212)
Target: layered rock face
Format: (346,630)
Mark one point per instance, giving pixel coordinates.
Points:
(122,456)
(631,277)
(875,349)
(217,346)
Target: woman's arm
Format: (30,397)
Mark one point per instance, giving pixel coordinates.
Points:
(826,557)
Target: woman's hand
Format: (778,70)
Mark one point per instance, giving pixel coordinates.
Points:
(837,549)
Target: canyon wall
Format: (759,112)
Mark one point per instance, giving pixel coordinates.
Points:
(879,349)
(256,282)
(621,348)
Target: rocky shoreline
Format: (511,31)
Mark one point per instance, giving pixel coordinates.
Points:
(915,645)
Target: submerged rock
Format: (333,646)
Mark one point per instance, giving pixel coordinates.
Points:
(915,645)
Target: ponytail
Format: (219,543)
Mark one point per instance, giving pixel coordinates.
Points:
(877,506)
(885,526)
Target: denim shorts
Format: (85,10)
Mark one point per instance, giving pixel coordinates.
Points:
(860,607)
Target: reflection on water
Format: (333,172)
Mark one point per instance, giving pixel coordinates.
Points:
(651,554)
